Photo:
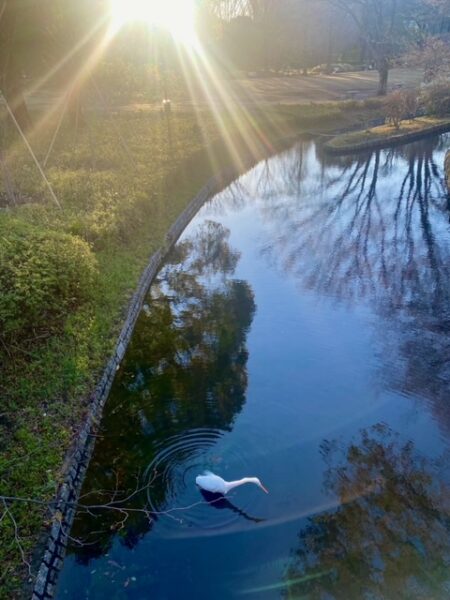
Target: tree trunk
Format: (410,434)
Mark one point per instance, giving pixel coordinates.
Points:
(265,50)
(383,72)
(7,180)
(75,112)
(11,83)
(330,47)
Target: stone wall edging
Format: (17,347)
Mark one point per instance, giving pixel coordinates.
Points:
(447,169)
(63,511)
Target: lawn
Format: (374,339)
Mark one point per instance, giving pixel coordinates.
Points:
(121,180)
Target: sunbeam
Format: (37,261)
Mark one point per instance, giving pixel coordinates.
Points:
(176,16)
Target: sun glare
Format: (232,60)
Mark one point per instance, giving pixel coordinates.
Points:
(177,16)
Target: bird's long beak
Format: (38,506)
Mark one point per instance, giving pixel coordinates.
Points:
(264,489)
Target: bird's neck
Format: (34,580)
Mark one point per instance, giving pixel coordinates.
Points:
(230,485)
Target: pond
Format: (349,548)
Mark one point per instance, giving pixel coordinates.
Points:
(298,332)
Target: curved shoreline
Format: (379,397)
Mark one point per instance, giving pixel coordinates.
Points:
(394,140)
(68,494)
(63,508)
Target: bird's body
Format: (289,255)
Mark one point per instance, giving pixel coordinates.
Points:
(216,485)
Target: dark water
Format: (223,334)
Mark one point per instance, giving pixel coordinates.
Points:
(299,332)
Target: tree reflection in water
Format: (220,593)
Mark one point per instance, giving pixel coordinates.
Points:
(390,538)
(184,370)
(374,230)
(353,233)
(371,231)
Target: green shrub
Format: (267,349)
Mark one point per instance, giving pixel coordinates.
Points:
(44,275)
(436,98)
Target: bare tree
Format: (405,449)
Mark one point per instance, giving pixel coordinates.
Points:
(433,56)
(383,24)
(229,9)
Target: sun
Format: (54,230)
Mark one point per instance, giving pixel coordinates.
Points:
(176,16)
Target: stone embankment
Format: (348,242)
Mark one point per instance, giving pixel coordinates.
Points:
(65,504)
(447,169)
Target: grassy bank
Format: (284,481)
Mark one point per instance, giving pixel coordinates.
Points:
(121,180)
(384,135)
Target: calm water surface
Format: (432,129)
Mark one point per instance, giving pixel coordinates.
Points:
(299,332)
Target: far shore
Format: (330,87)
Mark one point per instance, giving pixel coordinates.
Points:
(409,130)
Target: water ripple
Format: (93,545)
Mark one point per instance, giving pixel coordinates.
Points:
(171,477)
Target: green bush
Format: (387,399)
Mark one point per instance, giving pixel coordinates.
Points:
(44,275)
(436,98)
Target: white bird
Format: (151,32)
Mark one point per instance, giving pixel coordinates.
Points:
(216,485)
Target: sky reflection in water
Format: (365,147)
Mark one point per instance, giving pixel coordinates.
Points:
(299,333)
